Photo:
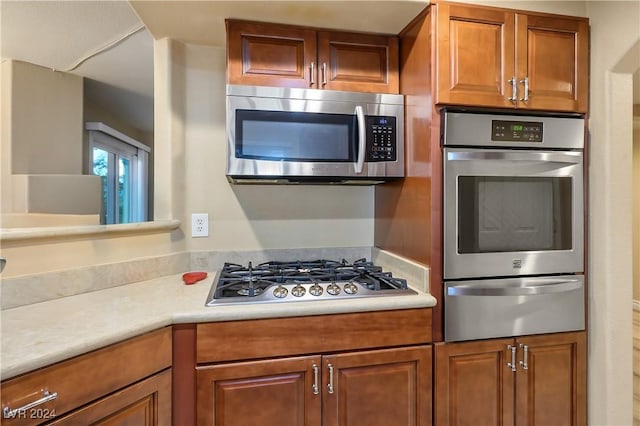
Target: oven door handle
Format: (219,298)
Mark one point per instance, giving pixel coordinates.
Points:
(537,287)
(547,157)
(362,139)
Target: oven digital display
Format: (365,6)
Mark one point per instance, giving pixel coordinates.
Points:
(516,131)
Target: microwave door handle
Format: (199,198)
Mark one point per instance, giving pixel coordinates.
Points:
(362,139)
(547,157)
(539,288)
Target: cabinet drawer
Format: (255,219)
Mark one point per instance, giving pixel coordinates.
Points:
(86,378)
(144,403)
(251,339)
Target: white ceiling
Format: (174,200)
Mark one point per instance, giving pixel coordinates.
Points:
(58,34)
(202,22)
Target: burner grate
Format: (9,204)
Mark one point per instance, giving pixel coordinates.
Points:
(247,282)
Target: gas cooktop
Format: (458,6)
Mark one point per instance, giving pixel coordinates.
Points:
(303,280)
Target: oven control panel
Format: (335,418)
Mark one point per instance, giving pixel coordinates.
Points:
(381,138)
(516,131)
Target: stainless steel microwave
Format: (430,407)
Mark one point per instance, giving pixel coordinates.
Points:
(291,135)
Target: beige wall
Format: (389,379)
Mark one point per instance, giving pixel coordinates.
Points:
(636,203)
(95,112)
(46,131)
(615,55)
(41,124)
(6,184)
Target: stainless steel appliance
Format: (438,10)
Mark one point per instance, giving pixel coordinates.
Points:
(502,307)
(513,224)
(297,281)
(290,135)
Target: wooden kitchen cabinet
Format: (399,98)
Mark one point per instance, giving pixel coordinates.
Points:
(266,54)
(267,392)
(504,58)
(475,382)
(378,387)
(263,371)
(147,403)
(125,383)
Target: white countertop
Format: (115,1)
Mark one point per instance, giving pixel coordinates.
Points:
(41,334)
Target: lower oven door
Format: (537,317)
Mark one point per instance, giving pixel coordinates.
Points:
(507,307)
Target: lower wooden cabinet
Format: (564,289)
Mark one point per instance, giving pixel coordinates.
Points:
(526,381)
(147,403)
(389,387)
(127,383)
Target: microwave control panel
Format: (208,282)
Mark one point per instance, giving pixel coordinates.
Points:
(381,138)
(516,131)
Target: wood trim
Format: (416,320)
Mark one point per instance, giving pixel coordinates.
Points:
(408,213)
(90,376)
(184,374)
(264,338)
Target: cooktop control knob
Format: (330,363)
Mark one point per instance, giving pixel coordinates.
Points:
(280,292)
(333,289)
(298,291)
(315,290)
(350,288)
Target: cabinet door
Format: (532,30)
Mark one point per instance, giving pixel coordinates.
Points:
(553,55)
(473,383)
(358,62)
(551,380)
(276,392)
(270,55)
(378,388)
(475,56)
(147,403)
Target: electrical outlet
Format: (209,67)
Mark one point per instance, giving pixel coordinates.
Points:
(200,225)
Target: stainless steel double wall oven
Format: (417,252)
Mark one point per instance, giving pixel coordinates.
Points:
(513,224)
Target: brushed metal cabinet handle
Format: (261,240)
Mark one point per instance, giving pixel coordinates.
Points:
(324,73)
(330,384)
(9,413)
(512,364)
(312,74)
(524,363)
(315,387)
(525,81)
(514,89)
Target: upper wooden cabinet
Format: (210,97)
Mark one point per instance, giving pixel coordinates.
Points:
(503,58)
(282,55)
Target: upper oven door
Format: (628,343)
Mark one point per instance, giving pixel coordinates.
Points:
(512,212)
(275,132)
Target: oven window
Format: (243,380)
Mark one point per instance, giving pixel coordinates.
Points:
(500,214)
(295,136)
